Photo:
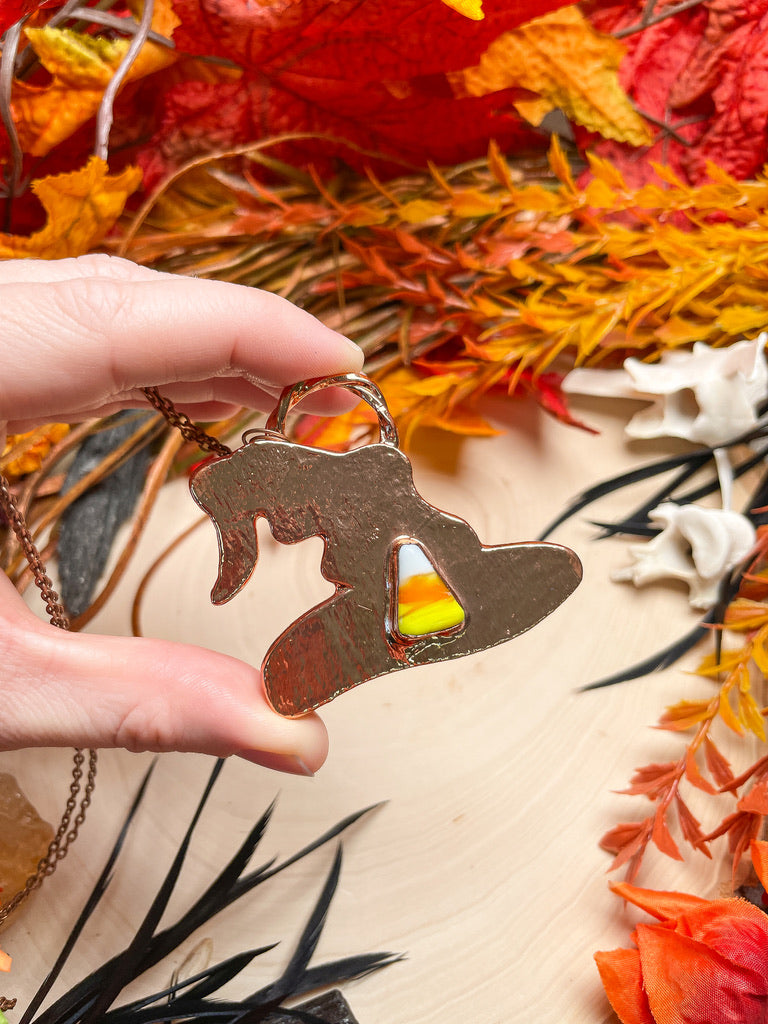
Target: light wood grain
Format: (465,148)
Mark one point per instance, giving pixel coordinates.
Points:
(483,866)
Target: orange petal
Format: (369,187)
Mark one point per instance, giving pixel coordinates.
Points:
(622,980)
(759,850)
(735,929)
(663,905)
(689,983)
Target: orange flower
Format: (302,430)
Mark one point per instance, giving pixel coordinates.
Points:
(705,962)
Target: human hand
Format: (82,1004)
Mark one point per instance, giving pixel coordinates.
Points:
(80,339)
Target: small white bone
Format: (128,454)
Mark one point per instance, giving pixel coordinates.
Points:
(696,545)
(709,395)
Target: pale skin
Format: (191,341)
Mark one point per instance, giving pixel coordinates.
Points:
(80,338)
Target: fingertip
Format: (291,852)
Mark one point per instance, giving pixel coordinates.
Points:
(297,746)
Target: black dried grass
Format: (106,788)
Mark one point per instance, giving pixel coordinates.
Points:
(638,524)
(87,528)
(92,1000)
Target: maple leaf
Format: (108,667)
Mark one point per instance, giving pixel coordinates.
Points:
(81,66)
(81,206)
(373,75)
(703,72)
(569,65)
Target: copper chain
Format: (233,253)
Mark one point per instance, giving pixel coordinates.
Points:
(188,430)
(73,816)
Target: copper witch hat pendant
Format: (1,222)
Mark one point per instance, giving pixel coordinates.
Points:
(414,585)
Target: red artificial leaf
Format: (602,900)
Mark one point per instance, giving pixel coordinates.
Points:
(662,838)
(691,827)
(703,72)
(755,800)
(719,767)
(13,10)
(373,75)
(628,841)
(546,388)
(652,779)
(694,776)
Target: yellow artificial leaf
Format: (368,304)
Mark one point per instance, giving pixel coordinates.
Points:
(749,712)
(438,384)
(738,319)
(81,66)
(760,650)
(533,110)
(712,665)
(562,59)
(471,202)
(469,8)
(418,211)
(743,614)
(24,453)
(600,195)
(679,331)
(82,207)
(727,715)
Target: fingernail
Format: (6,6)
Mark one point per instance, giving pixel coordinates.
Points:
(288,763)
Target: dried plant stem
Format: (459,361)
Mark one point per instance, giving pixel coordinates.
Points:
(106,107)
(125,25)
(644,23)
(7,66)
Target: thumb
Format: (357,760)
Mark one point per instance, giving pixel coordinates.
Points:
(69,689)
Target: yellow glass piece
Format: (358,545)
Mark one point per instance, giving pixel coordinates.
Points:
(425,602)
(425,605)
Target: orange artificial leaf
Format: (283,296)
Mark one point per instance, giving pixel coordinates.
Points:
(569,65)
(81,206)
(759,850)
(662,905)
(81,66)
(460,420)
(694,776)
(663,840)
(5,961)
(652,779)
(755,800)
(622,977)
(691,827)
(703,955)
(718,766)
(685,714)
(627,841)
